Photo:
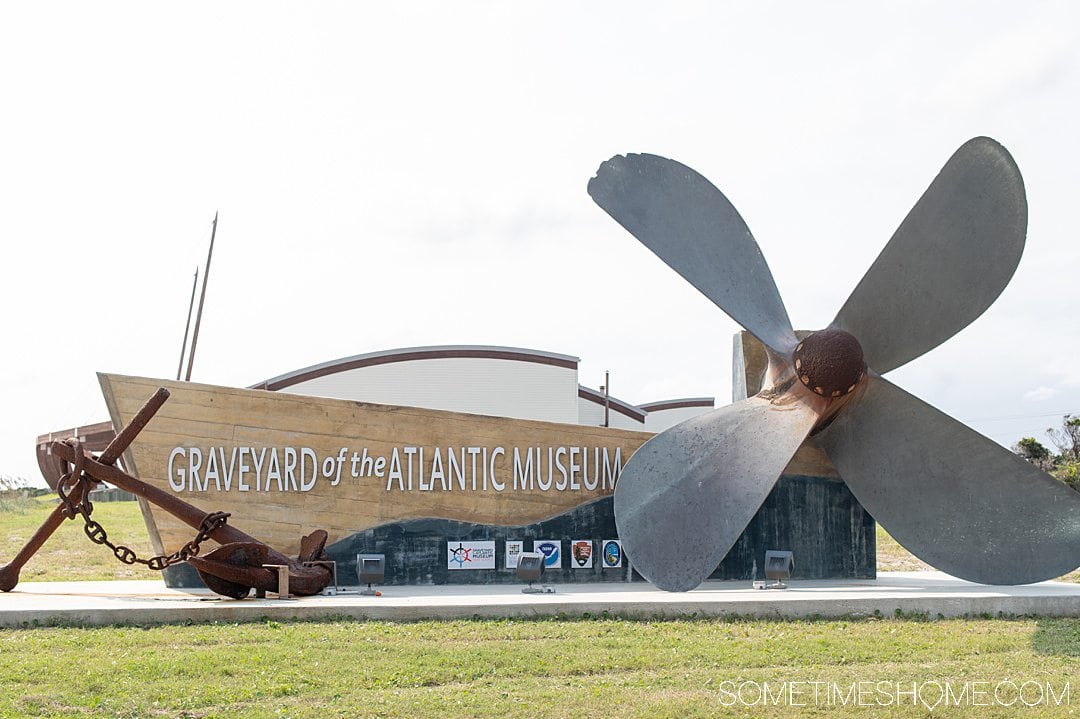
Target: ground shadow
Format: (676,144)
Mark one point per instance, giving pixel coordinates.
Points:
(1060,637)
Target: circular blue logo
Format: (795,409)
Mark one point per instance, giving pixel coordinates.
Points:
(612,553)
(550,550)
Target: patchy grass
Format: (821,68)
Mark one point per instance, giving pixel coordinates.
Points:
(891,557)
(69,555)
(520,668)
(14,495)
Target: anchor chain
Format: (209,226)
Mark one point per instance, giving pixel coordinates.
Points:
(80,485)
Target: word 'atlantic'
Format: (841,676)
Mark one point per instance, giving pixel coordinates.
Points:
(405,469)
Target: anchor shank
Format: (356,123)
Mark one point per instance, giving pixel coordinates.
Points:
(121,441)
(9,573)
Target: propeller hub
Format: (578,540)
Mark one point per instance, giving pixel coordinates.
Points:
(830,362)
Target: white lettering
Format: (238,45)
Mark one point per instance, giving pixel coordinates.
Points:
(212,469)
(232,464)
(523,473)
(290,468)
(611,471)
(456,468)
(409,452)
(243,467)
(585,468)
(543,484)
(473,452)
(437,469)
(574,467)
(367,466)
(395,472)
(561,484)
(273,471)
(306,453)
(424,485)
(177,473)
(499,486)
(194,462)
(340,464)
(484,464)
(258,466)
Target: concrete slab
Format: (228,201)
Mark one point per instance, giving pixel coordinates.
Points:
(930,593)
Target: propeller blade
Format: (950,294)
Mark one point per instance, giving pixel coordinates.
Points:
(953,498)
(687,494)
(691,226)
(949,260)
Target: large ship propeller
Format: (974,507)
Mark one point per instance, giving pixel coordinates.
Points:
(952,497)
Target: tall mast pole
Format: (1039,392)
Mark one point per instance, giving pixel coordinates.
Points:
(607,397)
(202,301)
(187,325)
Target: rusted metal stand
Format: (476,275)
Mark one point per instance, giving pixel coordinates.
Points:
(233,569)
(282,572)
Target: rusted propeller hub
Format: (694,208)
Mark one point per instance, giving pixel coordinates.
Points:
(829,363)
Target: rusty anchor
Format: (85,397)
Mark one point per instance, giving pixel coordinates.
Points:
(240,564)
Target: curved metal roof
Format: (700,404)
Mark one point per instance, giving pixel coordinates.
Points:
(665,404)
(409,354)
(625,408)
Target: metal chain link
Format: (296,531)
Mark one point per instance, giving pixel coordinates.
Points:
(97,534)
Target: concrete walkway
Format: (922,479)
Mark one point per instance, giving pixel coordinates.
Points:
(929,593)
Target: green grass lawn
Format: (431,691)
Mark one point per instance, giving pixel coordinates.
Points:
(530,668)
(69,555)
(573,667)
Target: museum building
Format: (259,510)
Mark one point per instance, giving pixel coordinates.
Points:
(495,381)
(478,379)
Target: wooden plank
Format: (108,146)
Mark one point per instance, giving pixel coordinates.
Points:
(205,417)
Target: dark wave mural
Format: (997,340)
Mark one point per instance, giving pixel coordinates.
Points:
(818,519)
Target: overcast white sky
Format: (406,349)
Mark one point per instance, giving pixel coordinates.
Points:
(401,174)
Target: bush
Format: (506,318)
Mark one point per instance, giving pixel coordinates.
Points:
(1065,465)
(15,494)
(1069,473)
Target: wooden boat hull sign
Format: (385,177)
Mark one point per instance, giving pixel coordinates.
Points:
(284,464)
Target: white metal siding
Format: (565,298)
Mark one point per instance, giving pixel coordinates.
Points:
(666,418)
(498,387)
